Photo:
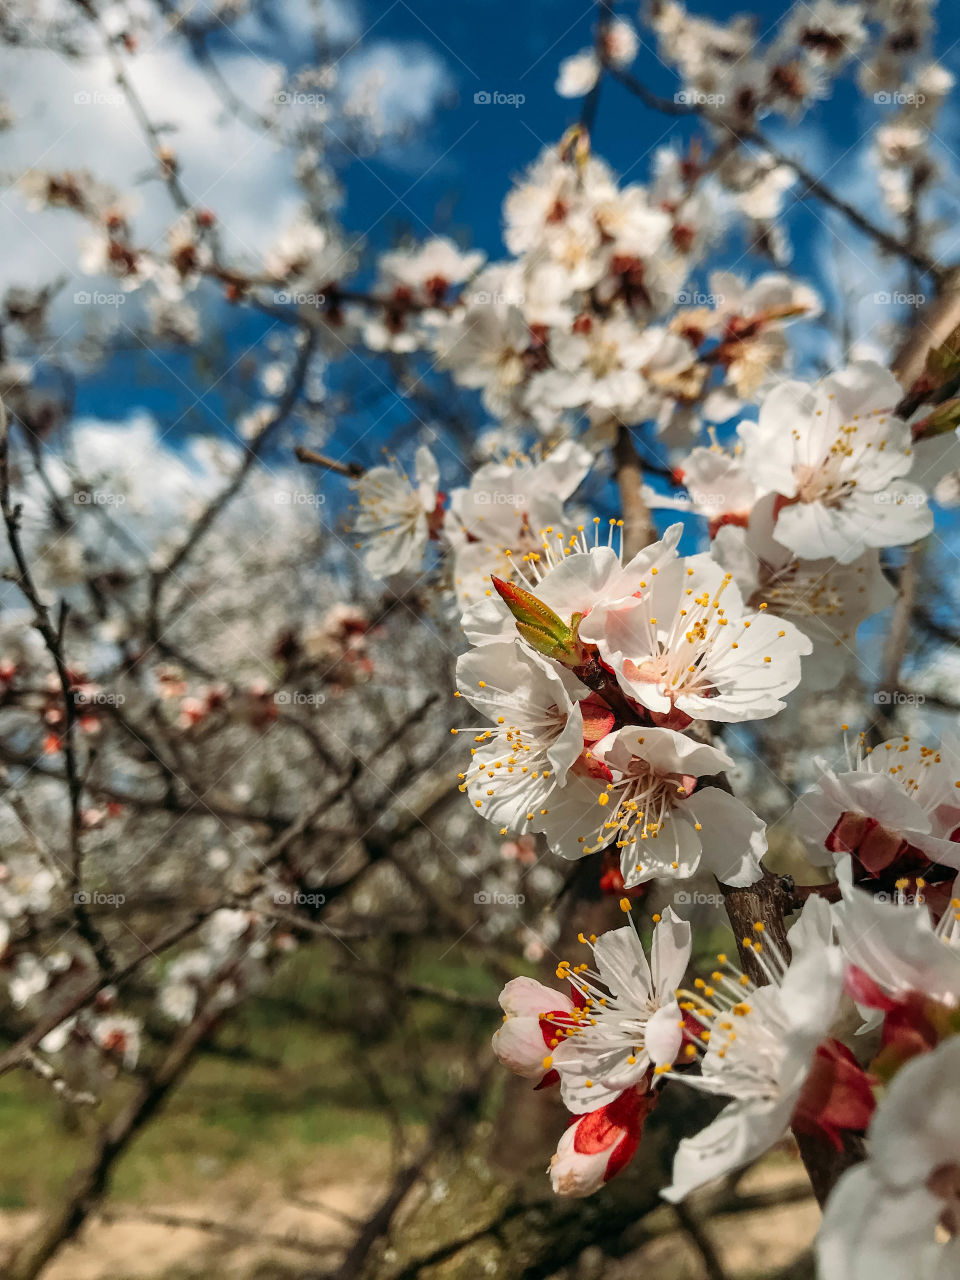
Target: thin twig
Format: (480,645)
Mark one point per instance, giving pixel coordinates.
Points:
(241,1235)
(216,504)
(44,1071)
(700,1238)
(815,186)
(445,1128)
(352,469)
(53,640)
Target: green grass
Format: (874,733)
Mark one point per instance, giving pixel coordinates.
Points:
(256,1119)
(268,1120)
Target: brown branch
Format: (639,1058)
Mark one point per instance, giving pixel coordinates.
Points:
(638,527)
(352,469)
(447,1128)
(15,1056)
(149,130)
(898,636)
(229,1230)
(886,240)
(933,326)
(44,1071)
(700,1237)
(485,1004)
(216,504)
(815,186)
(53,640)
(825,1165)
(766,902)
(89,1185)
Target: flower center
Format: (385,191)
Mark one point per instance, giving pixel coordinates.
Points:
(603,359)
(823,482)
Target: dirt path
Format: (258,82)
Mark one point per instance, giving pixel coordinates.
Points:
(128,1247)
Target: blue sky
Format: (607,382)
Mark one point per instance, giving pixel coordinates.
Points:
(515,48)
(451,175)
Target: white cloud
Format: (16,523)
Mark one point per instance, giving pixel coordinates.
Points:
(408,80)
(237,171)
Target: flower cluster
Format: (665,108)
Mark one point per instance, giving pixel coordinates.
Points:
(812,491)
(784,1048)
(484,525)
(611,689)
(587,676)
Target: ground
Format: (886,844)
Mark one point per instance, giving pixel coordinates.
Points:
(281,1132)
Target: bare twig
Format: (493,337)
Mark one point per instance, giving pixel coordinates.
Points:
(53,640)
(89,1185)
(44,1071)
(229,1230)
(699,1236)
(445,1129)
(212,510)
(352,469)
(814,186)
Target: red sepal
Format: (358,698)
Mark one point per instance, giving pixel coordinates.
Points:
(837,1096)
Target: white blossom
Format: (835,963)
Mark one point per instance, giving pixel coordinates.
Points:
(835,454)
(395,514)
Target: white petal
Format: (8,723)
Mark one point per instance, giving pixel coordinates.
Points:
(519,1045)
(669,952)
(526,997)
(916,1129)
(663,1035)
(734,839)
(674,853)
(622,965)
(869,1235)
(573,1173)
(665,749)
(742,1132)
